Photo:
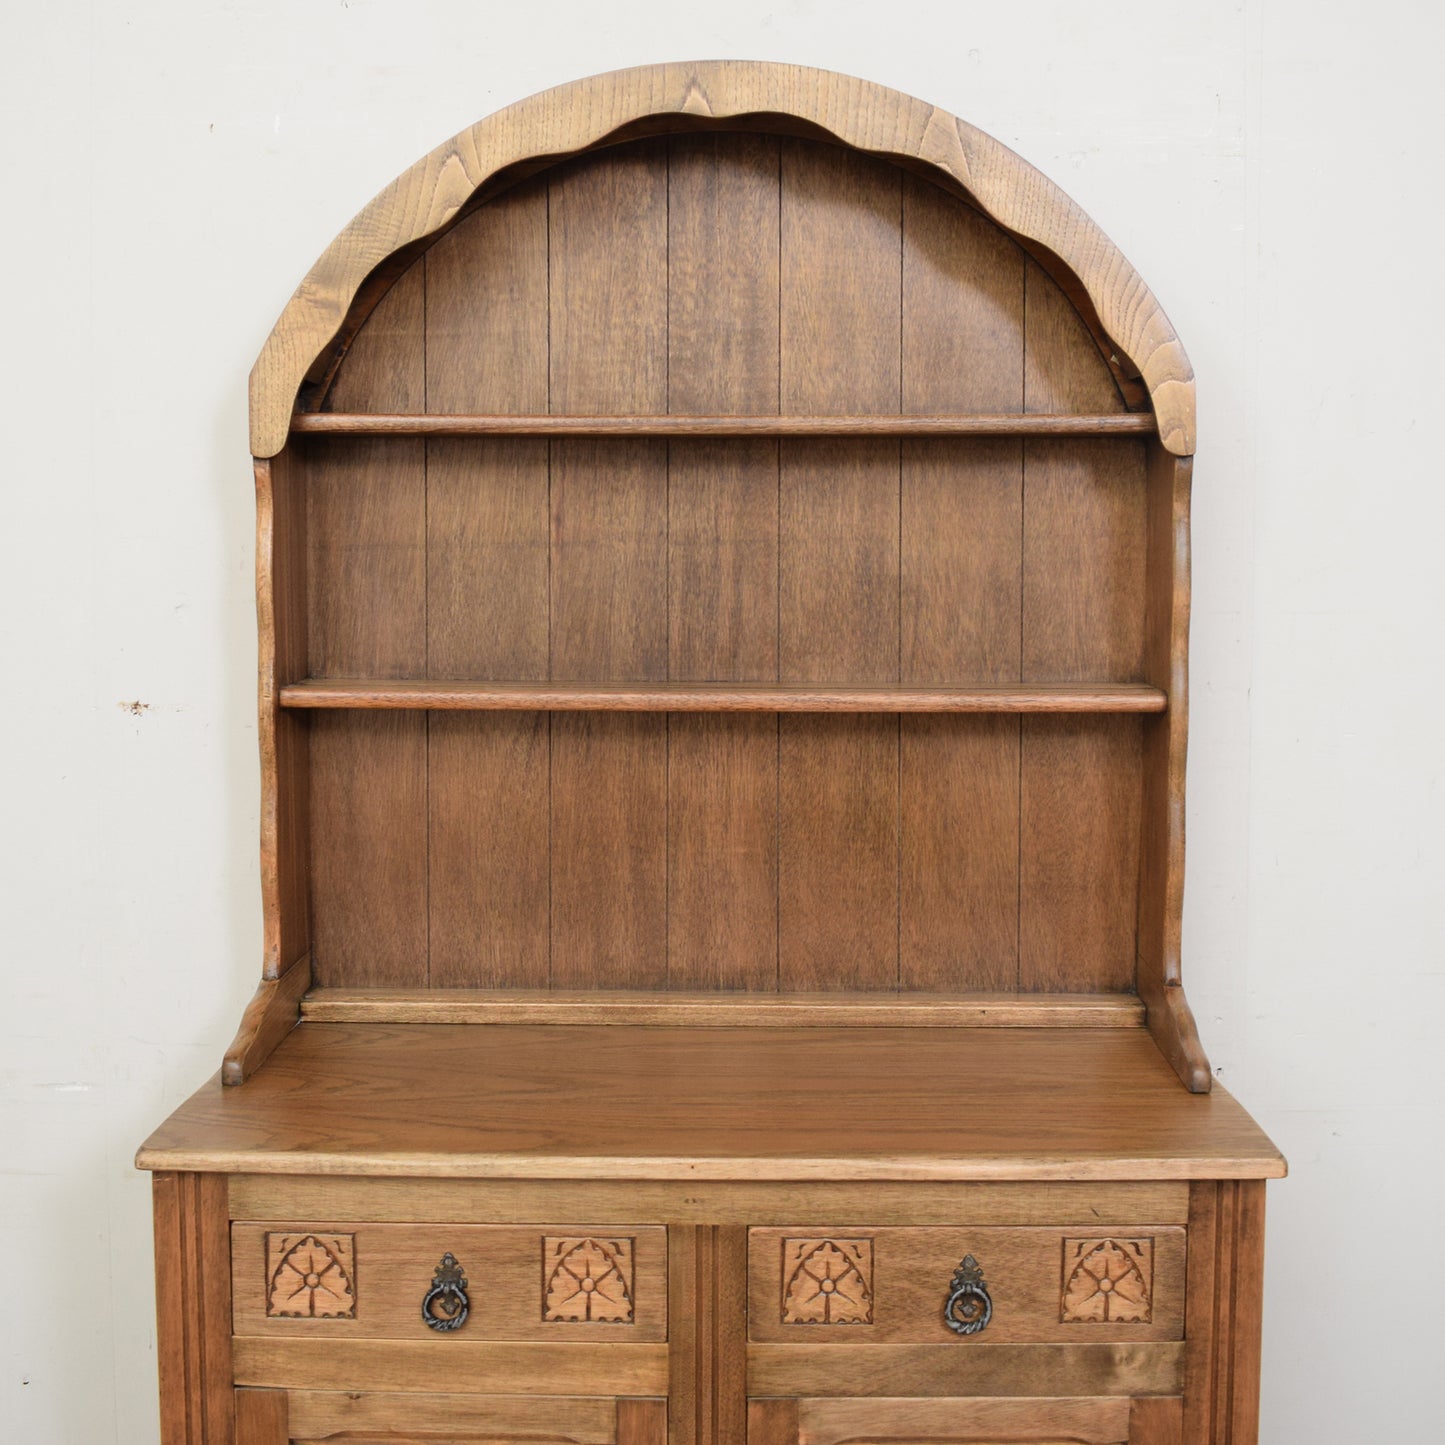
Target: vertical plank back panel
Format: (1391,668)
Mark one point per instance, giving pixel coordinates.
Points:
(488,567)
(608,309)
(961,531)
(366,517)
(366,561)
(1085,549)
(728,274)
(840,344)
(722,875)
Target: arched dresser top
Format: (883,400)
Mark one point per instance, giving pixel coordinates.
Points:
(657,99)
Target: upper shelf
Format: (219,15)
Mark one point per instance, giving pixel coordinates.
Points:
(976,424)
(1047,697)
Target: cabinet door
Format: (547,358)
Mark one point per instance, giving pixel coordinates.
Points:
(1115,1421)
(310,1417)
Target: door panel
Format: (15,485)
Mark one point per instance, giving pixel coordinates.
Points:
(308,1417)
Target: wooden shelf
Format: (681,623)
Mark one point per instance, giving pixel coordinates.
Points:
(1052,697)
(724,1010)
(337,423)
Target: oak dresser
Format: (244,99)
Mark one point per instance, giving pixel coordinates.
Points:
(723,584)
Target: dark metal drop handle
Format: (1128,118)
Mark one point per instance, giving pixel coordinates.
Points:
(969,1307)
(446,1305)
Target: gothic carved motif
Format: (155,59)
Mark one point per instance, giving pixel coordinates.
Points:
(827,1281)
(587,1280)
(1108,1281)
(311,1276)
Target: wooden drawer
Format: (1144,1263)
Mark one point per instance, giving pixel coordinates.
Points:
(338,1306)
(541,1282)
(1071,1284)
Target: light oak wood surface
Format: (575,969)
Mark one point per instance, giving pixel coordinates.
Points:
(1061,697)
(570,118)
(903,1275)
(876,1103)
(966,1367)
(1031,1422)
(820,1204)
(510,1269)
(723,595)
(958,424)
(430,1366)
(720,1010)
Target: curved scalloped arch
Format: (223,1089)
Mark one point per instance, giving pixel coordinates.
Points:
(578,116)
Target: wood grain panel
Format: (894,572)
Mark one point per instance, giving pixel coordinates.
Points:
(609,850)
(722,844)
(488,564)
(614,1202)
(193,1306)
(369,849)
(1085,551)
(967,424)
(960,595)
(507,1272)
(588,113)
(538,1102)
(1030,1422)
(686,1337)
(1156,1420)
(1080,853)
(609,561)
(367,577)
(773,1422)
(608,309)
(281,615)
(319,1414)
(963,1369)
(1165,745)
(608,281)
(840,340)
(838,853)
(262,1417)
(723,560)
(1063,370)
(958,875)
(642,1422)
(1086,543)
(906,1274)
(487,309)
(723,274)
(366,523)
(488,844)
(427,1366)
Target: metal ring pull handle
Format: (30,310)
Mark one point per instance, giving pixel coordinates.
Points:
(969,1307)
(446,1305)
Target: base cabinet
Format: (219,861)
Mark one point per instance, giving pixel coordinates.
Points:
(1131,1319)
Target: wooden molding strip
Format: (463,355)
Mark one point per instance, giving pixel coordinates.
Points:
(980,424)
(496,1006)
(655,98)
(1060,697)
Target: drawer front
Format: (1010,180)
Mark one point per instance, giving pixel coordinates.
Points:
(1071,1284)
(549,1283)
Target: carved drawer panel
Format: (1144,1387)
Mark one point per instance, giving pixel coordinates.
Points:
(544,1282)
(1074,1284)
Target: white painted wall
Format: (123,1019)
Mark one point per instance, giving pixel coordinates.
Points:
(171,167)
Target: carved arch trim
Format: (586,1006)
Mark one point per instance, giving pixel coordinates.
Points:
(656,99)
